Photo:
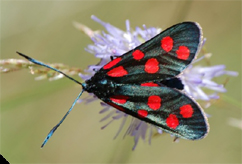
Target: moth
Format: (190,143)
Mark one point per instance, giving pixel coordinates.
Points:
(145,84)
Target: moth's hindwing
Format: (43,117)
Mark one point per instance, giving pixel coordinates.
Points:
(164,56)
(162,106)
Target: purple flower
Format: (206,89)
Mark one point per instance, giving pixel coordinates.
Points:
(115,43)
(195,78)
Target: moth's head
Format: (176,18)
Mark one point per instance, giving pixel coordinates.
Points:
(100,86)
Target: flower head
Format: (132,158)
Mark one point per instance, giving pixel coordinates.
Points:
(195,78)
(115,43)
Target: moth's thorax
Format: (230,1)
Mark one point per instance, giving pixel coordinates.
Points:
(100,86)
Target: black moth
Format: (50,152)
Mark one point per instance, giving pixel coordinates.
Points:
(143,83)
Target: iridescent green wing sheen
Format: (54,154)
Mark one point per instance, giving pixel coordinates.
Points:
(161,106)
(164,56)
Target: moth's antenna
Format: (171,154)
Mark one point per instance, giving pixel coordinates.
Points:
(83,88)
(55,127)
(45,65)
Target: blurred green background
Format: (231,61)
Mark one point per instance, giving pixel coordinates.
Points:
(29,108)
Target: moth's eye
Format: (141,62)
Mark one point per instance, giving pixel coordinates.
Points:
(104,81)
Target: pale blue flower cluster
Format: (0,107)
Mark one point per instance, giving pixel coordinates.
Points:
(115,43)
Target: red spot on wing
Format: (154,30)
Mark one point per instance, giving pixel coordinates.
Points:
(150,84)
(112,63)
(186,111)
(183,52)
(152,66)
(116,106)
(120,99)
(172,121)
(142,113)
(117,72)
(154,102)
(167,43)
(137,54)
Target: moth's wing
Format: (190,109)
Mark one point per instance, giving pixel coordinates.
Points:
(164,107)
(164,56)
